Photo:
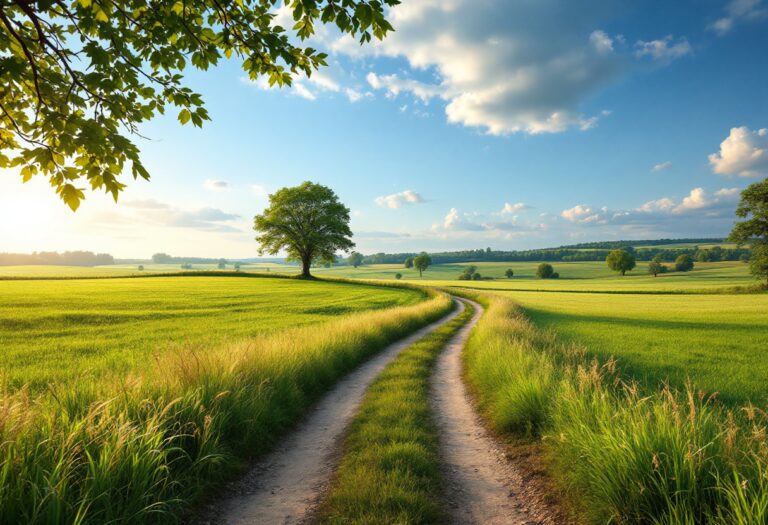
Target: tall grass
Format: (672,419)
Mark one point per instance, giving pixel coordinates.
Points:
(139,450)
(672,457)
(390,470)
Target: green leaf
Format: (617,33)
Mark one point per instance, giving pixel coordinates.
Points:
(184,116)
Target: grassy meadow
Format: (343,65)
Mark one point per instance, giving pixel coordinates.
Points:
(619,454)
(139,448)
(720,342)
(62,330)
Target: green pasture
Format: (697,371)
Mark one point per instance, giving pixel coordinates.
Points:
(719,342)
(60,330)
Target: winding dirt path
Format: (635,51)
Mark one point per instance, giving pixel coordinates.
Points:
(482,487)
(285,486)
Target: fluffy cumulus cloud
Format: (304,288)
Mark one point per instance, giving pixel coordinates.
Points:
(666,49)
(744,153)
(398,200)
(737,11)
(500,66)
(512,209)
(579,213)
(696,211)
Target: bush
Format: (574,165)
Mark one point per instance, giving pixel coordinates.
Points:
(544,271)
(398,276)
(684,263)
(509,273)
(555,275)
(141,267)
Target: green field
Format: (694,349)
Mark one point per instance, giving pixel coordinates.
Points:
(64,329)
(720,342)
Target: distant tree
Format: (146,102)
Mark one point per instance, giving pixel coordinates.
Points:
(509,273)
(744,257)
(162,258)
(702,256)
(544,271)
(398,276)
(620,261)
(141,267)
(408,262)
(186,266)
(468,274)
(308,221)
(655,268)
(476,276)
(555,275)
(684,263)
(222,264)
(355,259)
(753,207)
(421,262)
(237,266)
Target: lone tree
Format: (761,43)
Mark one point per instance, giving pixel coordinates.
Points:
(545,271)
(421,262)
(307,221)
(222,264)
(355,259)
(81,76)
(753,207)
(620,261)
(398,276)
(509,273)
(655,268)
(684,263)
(408,262)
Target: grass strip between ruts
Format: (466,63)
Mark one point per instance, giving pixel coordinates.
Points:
(390,469)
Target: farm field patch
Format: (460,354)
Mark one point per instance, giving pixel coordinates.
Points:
(60,330)
(719,342)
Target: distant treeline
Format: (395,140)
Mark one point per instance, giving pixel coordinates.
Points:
(164,258)
(613,245)
(78,258)
(589,253)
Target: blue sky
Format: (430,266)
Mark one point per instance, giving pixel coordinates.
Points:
(510,124)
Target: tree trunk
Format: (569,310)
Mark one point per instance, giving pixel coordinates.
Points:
(419,273)
(306,262)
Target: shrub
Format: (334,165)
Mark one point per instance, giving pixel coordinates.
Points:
(398,276)
(544,271)
(141,267)
(509,273)
(684,263)
(555,275)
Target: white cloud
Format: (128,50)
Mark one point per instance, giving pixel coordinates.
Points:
(663,204)
(666,49)
(514,208)
(602,42)
(662,166)
(695,200)
(398,200)
(215,185)
(738,11)
(728,193)
(579,213)
(744,153)
(504,67)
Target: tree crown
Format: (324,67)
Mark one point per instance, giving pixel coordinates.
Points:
(307,221)
(80,76)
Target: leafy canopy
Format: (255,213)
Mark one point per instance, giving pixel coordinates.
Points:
(80,76)
(620,261)
(307,221)
(355,259)
(753,207)
(421,262)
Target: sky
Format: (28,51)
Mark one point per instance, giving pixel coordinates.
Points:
(510,124)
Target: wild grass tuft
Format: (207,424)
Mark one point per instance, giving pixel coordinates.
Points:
(390,473)
(673,457)
(139,450)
